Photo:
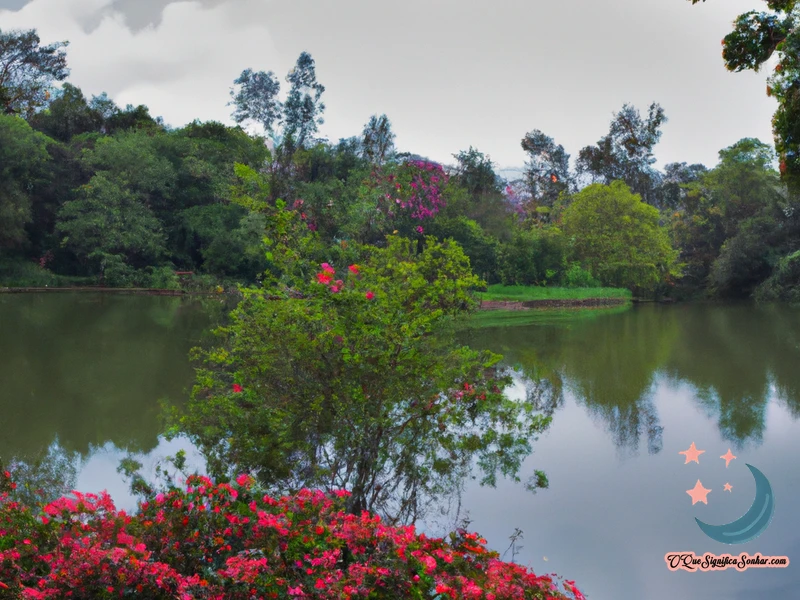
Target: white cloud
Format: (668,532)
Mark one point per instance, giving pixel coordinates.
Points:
(449,74)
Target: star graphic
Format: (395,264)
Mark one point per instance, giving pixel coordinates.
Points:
(728,487)
(692,454)
(698,493)
(728,457)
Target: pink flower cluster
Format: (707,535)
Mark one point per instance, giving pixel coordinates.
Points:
(226,540)
(415,189)
(325,277)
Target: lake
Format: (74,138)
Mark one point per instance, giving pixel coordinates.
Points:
(82,377)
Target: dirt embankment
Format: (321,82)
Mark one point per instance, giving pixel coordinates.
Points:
(532,304)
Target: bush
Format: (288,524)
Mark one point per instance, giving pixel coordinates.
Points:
(745,259)
(163,278)
(784,283)
(578,277)
(22,273)
(535,257)
(480,247)
(218,540)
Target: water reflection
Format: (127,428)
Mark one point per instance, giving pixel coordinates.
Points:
(733,356)
(81,376)
(49,474)
(80,371)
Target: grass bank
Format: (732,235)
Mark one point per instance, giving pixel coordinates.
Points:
(552,316)
(523,293)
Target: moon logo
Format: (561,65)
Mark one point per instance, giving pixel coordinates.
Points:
(753,523)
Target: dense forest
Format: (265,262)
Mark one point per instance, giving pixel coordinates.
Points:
(97,194)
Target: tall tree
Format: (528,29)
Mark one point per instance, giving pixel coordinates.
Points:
(671,194)
(474,171)
(547,171)
(256,99)
(378,139)
(28,70)
(756,37)
(626,153)
(23,155)
(303,108)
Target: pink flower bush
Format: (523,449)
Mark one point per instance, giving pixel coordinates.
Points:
(219,540)
(415,189)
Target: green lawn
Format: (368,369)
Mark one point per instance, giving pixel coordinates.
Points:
(522,293)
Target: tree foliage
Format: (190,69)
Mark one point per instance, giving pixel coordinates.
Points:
(338,376)
(256,99)
(377,139)
(547,171)
(618,238)
(303,108)
(626,152)
(755,39)
(28,70)
(23,156)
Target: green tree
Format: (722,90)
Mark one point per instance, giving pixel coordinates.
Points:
(23,157)
(734,221)
(480,247)
(476,191)
(626,153)
(256,99)
(618,238)
(136,162)
(111,230)
(347,377)
(670,195)
(547,171)
(378,139)
(68,114)
(755,39)
(303,108)
(533,257)
(28,70)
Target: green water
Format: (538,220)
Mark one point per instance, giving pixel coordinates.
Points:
(82,376)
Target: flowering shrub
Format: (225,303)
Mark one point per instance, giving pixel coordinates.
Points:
(215,541)
(354,381)
(404,195)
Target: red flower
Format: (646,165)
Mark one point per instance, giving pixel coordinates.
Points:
(354,269)
(237,388)
(327,268)
(324,278)
(369,295)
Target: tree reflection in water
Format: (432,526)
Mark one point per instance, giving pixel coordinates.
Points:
(44,476)
(736,358)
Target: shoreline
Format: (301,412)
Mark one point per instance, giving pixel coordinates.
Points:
(550,303)
(103,290)
(485,305)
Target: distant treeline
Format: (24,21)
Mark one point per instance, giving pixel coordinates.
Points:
(94,193)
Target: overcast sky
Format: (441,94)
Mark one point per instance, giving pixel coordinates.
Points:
(448,73)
